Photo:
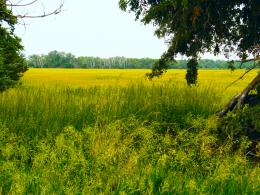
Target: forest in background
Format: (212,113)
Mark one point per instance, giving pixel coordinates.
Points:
(56,59)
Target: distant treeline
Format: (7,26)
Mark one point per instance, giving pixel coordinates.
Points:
(57,59)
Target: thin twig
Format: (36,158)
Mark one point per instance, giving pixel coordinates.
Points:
(21,5)
(241,77)
(245,73)
(54,12)
(27,15)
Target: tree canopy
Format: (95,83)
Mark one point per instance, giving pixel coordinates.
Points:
(195,27)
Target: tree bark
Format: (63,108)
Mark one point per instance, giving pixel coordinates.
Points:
(238,101)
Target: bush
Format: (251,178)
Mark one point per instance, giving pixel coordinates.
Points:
(242,125)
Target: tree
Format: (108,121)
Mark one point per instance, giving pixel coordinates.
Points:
(198,26)
(12,62)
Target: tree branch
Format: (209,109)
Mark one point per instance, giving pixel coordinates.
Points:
(21,5)
(54,12)
(242,76)
(27,15)
(247,71)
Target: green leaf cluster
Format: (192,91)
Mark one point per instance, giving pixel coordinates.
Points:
(195,27)
(12,62)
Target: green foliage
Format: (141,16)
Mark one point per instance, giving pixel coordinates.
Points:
(242,127)
(195,27)
(192,72)
(12,62)
(231,65)
(258,89)
(57,59)
(122,157)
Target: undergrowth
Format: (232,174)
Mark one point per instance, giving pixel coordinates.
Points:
(125,156)
(124,140)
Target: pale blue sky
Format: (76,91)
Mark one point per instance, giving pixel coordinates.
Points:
(89,28)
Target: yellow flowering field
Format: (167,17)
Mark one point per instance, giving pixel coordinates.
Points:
(121,77)
(72,131)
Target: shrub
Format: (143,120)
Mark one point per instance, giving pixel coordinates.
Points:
(239,126)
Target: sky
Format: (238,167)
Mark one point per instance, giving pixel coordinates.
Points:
(88,28)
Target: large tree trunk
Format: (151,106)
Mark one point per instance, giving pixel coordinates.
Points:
(239,100)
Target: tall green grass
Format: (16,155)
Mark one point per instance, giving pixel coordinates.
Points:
(137,139)
(34,110)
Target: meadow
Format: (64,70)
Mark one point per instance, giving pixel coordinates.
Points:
(73,131)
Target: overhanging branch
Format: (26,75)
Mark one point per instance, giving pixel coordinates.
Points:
(21,5)
(256,59)
(27,15)
(54,12)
